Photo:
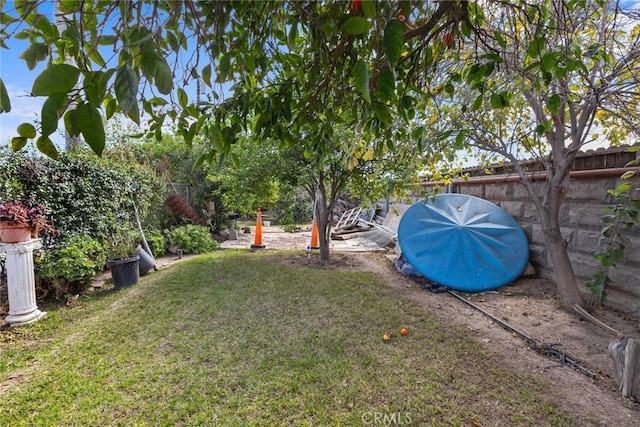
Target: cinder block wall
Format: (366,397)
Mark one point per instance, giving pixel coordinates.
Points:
(581,222)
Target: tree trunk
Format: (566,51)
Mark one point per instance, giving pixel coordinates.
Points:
(329,187)
(563,273)
(323,216)
(323,228)
(548,208)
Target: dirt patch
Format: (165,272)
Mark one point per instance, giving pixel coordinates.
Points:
(530,306)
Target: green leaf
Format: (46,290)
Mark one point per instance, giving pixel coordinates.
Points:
(450,89)
(26,130)
(382,113)
(55,79)
(390,145)
(95,85)
(206,75)
(224,66)
(36,52)
(199,161)
(548,61)
(189,134)
(126,88)
(465,29)
(164,78)
(183,98)
(559,72)
(369,8)
(156,67)
(361,76)
(216,137)
(500,39)
(536,47)
(229,136)
(71,123)
(91,127)
(67,6)
(393,41)
(407,102)
(157,102)
(478,72)
(477,103)
(5,101)
(110,107)
(292,37)
(18,143)
(554,103)
(386,85)
(498,100)
(46,146)
(46,27)
(107,40)
(592,50)
(51,110)
(139,36)
(97,58)
(72,35)
(328,27)
(174,44)
(6,19)
(628,175)
(357,25)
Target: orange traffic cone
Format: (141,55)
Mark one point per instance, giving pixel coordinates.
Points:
(258,240)
(314,236)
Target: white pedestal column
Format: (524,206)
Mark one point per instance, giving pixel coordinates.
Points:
(21,282)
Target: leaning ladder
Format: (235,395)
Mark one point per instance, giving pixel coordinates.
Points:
(349,218)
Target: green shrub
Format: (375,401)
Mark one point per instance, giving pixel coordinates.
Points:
(156,243)
(84,194)
(294,207)
(69,267)
(289,228)
(192,239)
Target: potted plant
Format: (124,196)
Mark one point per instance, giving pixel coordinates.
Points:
(122,258)
(21,221)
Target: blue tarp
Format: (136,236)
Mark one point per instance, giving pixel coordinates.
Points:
(463,242)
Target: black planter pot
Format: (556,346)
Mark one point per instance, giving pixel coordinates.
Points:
(125,272)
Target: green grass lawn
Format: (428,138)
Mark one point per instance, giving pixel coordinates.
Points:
(233,338)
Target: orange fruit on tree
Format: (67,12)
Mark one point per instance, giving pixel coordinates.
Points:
(447,39)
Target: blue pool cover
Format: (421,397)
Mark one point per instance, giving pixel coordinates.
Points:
(463,242)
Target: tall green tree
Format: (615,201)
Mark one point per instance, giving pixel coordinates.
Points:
(248,180)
